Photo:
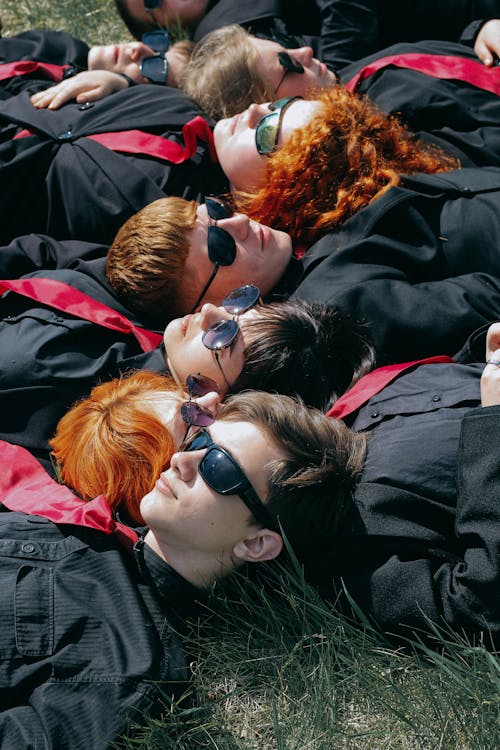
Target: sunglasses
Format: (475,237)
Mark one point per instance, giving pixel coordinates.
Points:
(289,65)
(151,4)
(155,67)
(192,413)
(224,475)
(221,245)
(268,129)
(222,334)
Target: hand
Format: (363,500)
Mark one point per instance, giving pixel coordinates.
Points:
(88,86)
(487,46)
(490,379)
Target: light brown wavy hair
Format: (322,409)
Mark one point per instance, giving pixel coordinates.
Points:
(342,160)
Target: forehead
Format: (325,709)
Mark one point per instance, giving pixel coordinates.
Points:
(298,114)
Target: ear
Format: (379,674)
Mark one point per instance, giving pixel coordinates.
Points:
(265,545)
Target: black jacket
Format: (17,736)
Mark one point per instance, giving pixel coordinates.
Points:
(423,537)
(420,263)
(89,635)
(357,28)
(64,184)
(455,115)
(49,358)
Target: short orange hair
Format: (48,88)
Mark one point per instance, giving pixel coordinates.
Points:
(146,261)
(346,157)
(112,443)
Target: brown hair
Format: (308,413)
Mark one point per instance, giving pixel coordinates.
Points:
(311,490)
(221,76)
(112,443)
(146,261)
(136,27)
(346,157)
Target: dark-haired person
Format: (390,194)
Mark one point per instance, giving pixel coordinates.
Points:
(91,611)
(422,540)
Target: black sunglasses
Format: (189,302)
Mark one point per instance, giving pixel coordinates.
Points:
(289,65)
(222,334)
(268,129)
(151,4)
(155,67)
(224,475)
(192,413)
(221,245)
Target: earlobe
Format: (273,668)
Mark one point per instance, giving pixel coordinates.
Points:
(265,545)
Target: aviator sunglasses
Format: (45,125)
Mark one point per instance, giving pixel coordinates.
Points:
(192,413)
(155,67)
(221,245)
(268,129)
(221,472)
(222,334)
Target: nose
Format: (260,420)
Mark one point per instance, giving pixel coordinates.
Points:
(237,225)
(255,113)
(138,50)
(211,402)
(185,464)
(211,314)
(303,54)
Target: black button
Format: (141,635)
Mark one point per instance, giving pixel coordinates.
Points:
(28,547)
(87,105)
(65,136)
(436,398)
(374,414)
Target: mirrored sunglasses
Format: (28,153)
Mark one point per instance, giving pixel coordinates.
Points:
(221,245)
(268,129)
(222,334)
(155,67)
(222,473)
(192,413)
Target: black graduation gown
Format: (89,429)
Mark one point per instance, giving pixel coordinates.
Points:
(457,116)
(420,263)
(50,358)
(357,28)
(57,181)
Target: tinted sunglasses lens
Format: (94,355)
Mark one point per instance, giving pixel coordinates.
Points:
(194,414)
(200,385)
(217,209)
(266,133)
(159,41)
(155,68)
(220,473)
(287,62)
(241,299)
(221,246)
(197,442)
(151,4)
(220,335)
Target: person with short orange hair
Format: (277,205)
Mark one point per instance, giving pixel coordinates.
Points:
(118,440)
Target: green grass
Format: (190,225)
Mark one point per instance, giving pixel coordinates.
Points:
(280,669)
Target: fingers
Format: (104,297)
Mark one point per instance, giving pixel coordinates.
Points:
(53,97)
(487,46)
(493,341)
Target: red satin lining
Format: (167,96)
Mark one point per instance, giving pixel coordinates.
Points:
(25,67)
(438,66)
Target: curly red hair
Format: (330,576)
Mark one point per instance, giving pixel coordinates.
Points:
(112,443)
(342,160)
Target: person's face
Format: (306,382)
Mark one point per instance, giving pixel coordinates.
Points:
(126,58)
(235,140)
(167,407)
(185,12)
(188,517)
(186,353)
(315,76)
(262,255)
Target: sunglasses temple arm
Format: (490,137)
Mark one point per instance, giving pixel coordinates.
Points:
(205,288)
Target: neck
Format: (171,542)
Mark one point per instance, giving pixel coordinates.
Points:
(197,568)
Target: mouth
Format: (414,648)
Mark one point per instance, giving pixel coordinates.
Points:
(117,53)
(234,122)
(163,486)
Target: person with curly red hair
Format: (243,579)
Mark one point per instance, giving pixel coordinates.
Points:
(332,157)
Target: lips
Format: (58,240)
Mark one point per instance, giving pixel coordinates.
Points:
(185,324)
(162,484)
